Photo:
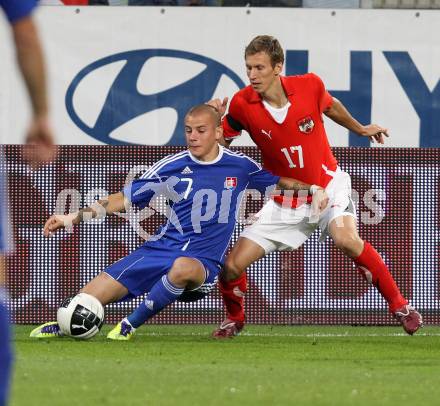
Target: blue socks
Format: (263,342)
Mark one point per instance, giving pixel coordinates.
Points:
(161,295)
(5,353)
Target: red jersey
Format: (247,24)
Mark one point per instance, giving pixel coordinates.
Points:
(298,147)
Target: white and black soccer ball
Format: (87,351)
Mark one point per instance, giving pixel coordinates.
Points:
(80,316)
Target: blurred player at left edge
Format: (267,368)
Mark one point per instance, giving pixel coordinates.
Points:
(40,148)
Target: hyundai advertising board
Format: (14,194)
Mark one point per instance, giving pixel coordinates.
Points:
(127,75)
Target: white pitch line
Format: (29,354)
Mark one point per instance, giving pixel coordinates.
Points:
(310,335)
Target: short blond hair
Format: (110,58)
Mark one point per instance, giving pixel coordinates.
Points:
(206,108)
(268,44)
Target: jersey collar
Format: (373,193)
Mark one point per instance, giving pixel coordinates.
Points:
(254,97)
(215,160)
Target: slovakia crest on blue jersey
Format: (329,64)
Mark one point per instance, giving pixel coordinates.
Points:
(230,183)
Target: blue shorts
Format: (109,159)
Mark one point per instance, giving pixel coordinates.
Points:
(141,269)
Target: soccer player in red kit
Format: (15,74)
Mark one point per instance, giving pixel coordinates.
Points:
(283,115)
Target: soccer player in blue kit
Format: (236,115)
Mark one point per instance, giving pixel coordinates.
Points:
(31,63)
(205,186)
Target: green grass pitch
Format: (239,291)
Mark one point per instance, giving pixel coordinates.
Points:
(182,365)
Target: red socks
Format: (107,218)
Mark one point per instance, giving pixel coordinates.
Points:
(233,297)
(374,269)
(370,265)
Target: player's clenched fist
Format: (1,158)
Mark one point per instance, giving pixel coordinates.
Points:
(57,221)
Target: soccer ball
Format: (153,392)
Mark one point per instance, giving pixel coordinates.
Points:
(80,316)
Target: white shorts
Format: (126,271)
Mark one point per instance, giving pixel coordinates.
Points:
(283,228)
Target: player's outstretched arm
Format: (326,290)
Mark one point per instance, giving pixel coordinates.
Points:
(57,222)
(292,184)
(339,114)
(319,195)
(115,203)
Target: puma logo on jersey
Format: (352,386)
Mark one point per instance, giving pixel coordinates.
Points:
(186,171)
(268,134)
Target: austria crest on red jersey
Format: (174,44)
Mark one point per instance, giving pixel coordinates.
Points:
(306,125)
(230,183)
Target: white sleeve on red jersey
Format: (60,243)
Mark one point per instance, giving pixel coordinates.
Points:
(325,99)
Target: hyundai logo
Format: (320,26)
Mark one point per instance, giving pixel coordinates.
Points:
(123,102)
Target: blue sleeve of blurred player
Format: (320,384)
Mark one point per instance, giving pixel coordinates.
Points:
(259,178)
(16,9)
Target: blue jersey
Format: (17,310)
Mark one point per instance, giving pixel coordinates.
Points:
(16,9)
(204,198)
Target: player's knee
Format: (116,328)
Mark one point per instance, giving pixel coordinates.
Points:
(232,270)
(104,288)
(348,243)
(185,270)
